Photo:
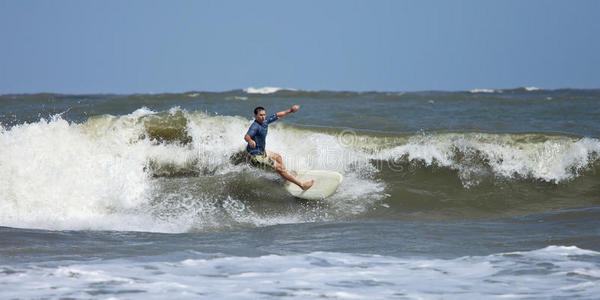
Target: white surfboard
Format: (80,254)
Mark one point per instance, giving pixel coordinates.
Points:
(326,183)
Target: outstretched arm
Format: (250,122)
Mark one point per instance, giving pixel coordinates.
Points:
(284,113)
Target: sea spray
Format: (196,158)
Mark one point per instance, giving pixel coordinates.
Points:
(103,174)
(130,172)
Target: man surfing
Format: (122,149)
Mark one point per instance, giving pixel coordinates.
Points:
(256,138)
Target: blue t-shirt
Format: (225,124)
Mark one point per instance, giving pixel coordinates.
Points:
(258,132)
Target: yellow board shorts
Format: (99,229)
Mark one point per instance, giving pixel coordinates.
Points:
(262,161)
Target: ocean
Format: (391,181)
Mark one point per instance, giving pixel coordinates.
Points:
(446,195)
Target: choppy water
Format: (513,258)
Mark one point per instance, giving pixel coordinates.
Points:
(487,193)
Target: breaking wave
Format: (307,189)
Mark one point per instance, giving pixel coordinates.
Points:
(177,170)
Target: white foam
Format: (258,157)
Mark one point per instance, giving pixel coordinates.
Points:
(556,159)
(266,90)
(532,88)
(475,91)
(555,271)
(357,192)
(54,174)
(57,175)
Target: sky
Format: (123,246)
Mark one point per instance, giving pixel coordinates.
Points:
(177,46)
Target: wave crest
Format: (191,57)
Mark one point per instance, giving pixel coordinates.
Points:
(549,158)
(178,170)
(266,90)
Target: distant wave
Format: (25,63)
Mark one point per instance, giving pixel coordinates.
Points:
(519,89)
(523,89)
(266,90)
(272,90)
(475,91)
(532,88)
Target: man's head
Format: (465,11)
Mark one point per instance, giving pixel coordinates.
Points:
(260,114)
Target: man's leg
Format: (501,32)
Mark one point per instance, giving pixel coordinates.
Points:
(280,168)
(274,156)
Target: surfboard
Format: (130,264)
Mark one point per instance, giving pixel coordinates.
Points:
(326,183)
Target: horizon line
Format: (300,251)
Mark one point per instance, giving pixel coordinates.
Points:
(291,90)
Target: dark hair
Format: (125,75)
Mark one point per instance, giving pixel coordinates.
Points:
(257,109)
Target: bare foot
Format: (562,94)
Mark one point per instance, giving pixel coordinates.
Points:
(307,185)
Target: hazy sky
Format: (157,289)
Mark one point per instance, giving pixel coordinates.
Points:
(178,46)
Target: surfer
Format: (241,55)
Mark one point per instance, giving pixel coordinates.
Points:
(256,138)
